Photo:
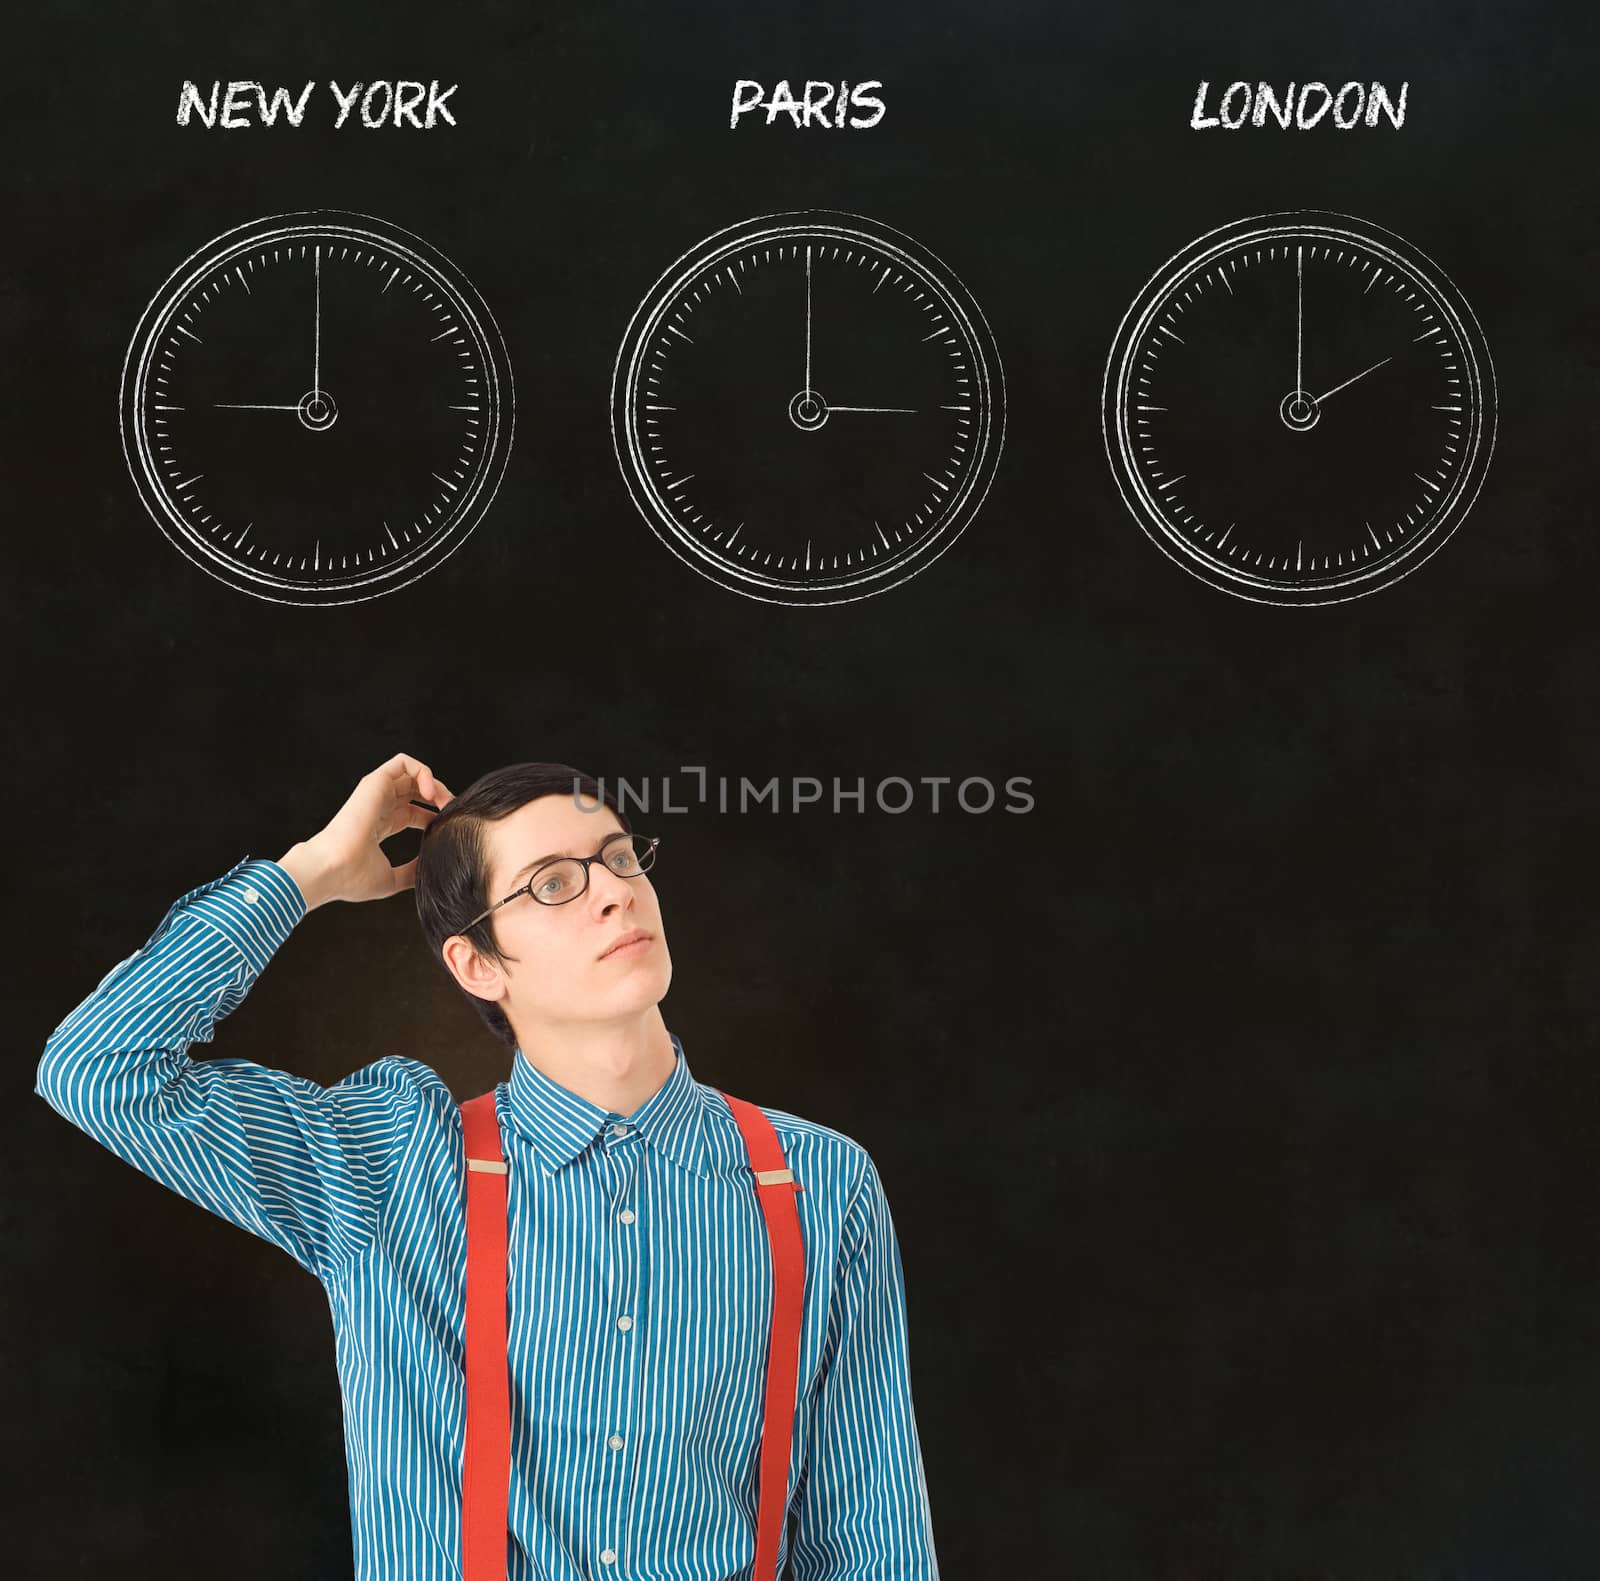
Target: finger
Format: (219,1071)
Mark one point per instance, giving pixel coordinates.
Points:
(403,815)
(436,792)
(404,876)
(385,788)
(415,817)
(404,771)
(408,795)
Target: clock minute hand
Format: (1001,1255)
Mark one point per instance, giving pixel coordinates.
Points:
(1299,316)
(316,352)
(1319,399)
(807,384)
(832,408)
(253,406)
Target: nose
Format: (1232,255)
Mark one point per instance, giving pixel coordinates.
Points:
(608,887)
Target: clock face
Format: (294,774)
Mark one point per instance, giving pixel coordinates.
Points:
(1299,408)
(808,408)
(317,408)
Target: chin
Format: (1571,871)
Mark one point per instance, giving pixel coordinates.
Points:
(641,988)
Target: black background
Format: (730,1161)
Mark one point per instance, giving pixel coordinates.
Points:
(1236,1104)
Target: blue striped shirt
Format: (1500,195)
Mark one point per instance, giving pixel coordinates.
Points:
(638,1267)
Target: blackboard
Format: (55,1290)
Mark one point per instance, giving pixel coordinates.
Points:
(1235,1095)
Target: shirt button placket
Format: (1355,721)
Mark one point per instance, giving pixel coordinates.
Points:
(622,1146)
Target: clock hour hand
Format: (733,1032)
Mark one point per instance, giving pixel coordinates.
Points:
(832,408)
(1351,380)
(316,411)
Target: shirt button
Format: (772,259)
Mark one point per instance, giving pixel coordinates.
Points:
(619,1130)
(250,893)
(624,1323)
(615,1441)
(607,1556)
(626,1215)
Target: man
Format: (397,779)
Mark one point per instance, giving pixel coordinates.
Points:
(638,1270)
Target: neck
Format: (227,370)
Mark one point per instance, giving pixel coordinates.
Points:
(615,1065)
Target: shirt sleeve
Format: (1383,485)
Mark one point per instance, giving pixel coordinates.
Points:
(860,1511)
(300,1165)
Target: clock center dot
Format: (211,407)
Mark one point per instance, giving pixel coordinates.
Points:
(808,410)
(1299,411)
(317,411)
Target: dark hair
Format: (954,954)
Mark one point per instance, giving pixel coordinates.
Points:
(452,875)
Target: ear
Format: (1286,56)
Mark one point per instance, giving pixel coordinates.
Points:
(477,974)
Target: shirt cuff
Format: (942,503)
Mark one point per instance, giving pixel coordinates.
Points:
(254,905)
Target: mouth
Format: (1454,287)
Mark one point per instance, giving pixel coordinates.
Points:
(632,943)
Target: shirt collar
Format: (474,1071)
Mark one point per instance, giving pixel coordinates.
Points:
(561,1124)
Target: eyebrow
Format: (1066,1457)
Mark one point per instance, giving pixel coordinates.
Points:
(552,856)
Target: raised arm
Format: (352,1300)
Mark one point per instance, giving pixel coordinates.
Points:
(862,1502)
(301,1165)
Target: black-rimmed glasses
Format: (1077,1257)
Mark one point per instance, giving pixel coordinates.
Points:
(567,877)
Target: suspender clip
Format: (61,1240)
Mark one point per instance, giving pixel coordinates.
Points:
(777,1177)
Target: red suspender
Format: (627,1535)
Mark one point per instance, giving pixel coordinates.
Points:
(486,1470)
(776,1187)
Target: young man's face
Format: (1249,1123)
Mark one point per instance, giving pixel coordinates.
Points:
(562,973)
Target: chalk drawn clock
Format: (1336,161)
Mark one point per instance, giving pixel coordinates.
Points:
(1299,408)
(317,407)
(808,408)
